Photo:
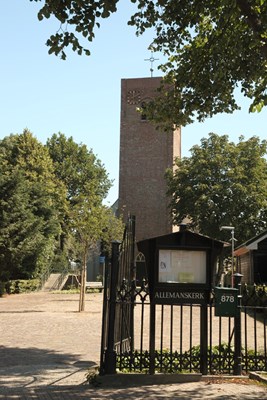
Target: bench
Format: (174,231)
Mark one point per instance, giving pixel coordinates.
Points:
(94,285)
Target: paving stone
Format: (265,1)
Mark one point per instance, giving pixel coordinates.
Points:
(47,346)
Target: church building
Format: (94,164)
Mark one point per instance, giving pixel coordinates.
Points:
(145,154)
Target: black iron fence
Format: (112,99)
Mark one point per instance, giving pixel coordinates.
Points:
(178,338)
(144,337)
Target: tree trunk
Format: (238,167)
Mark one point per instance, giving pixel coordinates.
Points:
(83,281)
(220,270)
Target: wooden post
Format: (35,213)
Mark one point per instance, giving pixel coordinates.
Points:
(82,287)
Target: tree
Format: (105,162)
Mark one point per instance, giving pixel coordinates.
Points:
(75,165)
(211,48)
(92,223)
(80,171)
(87,184)
(222,183)
(30,198)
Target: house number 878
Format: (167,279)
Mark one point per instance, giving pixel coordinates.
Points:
(227,299)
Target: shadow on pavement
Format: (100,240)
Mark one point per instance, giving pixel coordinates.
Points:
(159,392)
(14,357)
(29,366)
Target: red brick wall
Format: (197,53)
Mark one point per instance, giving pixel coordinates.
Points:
(145,153)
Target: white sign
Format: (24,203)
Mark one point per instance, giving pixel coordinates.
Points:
(182,266)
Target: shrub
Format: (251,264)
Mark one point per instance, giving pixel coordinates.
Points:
(22,286)
(2,288)
(254,295)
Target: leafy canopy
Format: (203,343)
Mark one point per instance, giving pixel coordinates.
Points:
(30,203)
(222,183)
(50,204)
(211,48)
(87,184)
(78,168)
(87,220)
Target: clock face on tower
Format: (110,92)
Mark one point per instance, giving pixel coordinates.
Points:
(134,96)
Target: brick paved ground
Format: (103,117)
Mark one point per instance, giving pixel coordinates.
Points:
(46,347)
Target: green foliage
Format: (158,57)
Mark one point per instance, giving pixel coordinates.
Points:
(221,359)
(30,198)
(255,361)
(211,48)
(50,205)
(2,288)
(86,220)
(81,15)
(99,278)
(254,296)
(22,286)
(69,290)
(60,262)
(79,169)
(222,183)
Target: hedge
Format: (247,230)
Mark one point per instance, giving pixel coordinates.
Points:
(22,286)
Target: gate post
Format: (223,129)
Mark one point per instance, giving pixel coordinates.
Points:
(152,338)
(110,354)
(237,319)
(204,340)
(104,315)
(133,283)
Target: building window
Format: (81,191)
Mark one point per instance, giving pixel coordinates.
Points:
(143,113)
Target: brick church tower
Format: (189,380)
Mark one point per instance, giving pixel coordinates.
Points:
(145,154)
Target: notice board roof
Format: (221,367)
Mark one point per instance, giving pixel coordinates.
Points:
(183,238)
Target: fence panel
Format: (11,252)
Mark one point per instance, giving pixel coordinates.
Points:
(177,339)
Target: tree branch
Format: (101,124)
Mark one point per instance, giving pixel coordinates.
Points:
(254,22)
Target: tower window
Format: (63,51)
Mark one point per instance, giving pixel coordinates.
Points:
(143,114)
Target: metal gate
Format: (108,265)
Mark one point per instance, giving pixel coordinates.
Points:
(118,304)
(172,341)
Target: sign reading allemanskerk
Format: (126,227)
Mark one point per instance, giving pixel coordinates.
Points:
(181,267)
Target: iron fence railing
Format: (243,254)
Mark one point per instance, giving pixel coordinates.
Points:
(178,337)
(185,337)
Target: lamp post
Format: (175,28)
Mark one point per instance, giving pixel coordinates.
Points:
(232,229)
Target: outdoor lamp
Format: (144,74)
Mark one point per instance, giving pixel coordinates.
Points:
(232,229)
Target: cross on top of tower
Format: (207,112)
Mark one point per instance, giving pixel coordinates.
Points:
(151,59)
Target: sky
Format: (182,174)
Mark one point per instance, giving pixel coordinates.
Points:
(80,97)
